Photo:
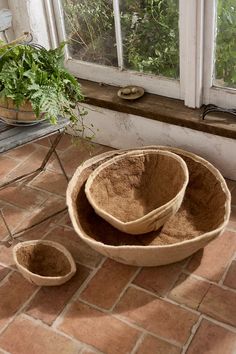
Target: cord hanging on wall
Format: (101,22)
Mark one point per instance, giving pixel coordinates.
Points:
(211,108)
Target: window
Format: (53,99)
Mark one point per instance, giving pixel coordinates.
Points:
(219,85)
(225,52)
(184,49)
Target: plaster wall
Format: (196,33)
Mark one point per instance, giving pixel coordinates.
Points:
(30,16)
(9,32)
(121,130)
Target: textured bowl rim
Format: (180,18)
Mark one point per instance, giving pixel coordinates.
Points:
(54,244)
(137,153)
(71,190)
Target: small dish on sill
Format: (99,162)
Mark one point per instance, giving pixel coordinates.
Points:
(130,92)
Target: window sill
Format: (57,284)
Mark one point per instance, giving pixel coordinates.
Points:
(159,108)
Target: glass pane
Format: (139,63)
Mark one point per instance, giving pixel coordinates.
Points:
(225,65)
(151,36)
(90,29)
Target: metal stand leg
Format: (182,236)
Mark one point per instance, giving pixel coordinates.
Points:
(52,150)
(42,167)
(60,163)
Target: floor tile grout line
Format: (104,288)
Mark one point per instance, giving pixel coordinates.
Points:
(20,311)
(224,325)
(15,228)
(37,321)
(197,325)
(145,331)
(231,229)
(171,287)
(8,266)
(20,163)
(166,296)
(86,347)
(129,323)
(221,282)
(125,288)
(41,222)
(45,234)
(222,286)
(198,277)
(166,299)
(30,209)
(138,343)
(76,295)
(5,279)
(53,227)
(96,307)
(5,154)
(192,335)
(66,226)
(63,334)
(60,312)
(44,190)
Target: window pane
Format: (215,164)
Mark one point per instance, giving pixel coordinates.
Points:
(151,36)
(225,66)
(90,28)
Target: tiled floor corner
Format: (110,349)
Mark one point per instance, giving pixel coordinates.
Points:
(107,308)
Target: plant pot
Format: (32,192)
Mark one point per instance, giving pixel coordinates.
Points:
(138,191)
(44,263)
(24,114)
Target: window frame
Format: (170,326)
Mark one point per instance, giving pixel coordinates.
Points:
(109,75)
(197,28)
(220,96)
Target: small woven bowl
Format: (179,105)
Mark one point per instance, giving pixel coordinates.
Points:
(44,263)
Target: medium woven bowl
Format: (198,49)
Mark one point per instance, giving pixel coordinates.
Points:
(138,191)
(202,217)
(44,263)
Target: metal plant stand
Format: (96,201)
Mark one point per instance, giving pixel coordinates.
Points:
(12,137)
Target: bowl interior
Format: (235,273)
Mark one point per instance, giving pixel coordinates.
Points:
(203,210)
(43,260)
(133,186)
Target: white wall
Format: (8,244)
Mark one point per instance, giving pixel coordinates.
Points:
(30,16)
(9,32)
(121,130)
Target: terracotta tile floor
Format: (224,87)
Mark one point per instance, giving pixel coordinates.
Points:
(187,307)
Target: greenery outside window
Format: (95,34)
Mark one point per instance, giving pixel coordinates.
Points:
(183,49)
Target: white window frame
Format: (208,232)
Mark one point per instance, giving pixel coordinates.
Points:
(220,96)
(197,45)
(110,75)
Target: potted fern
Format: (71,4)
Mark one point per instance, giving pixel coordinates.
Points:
(34,84)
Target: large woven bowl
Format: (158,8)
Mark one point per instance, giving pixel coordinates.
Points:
(202,217)
(137,192)
(44,263)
